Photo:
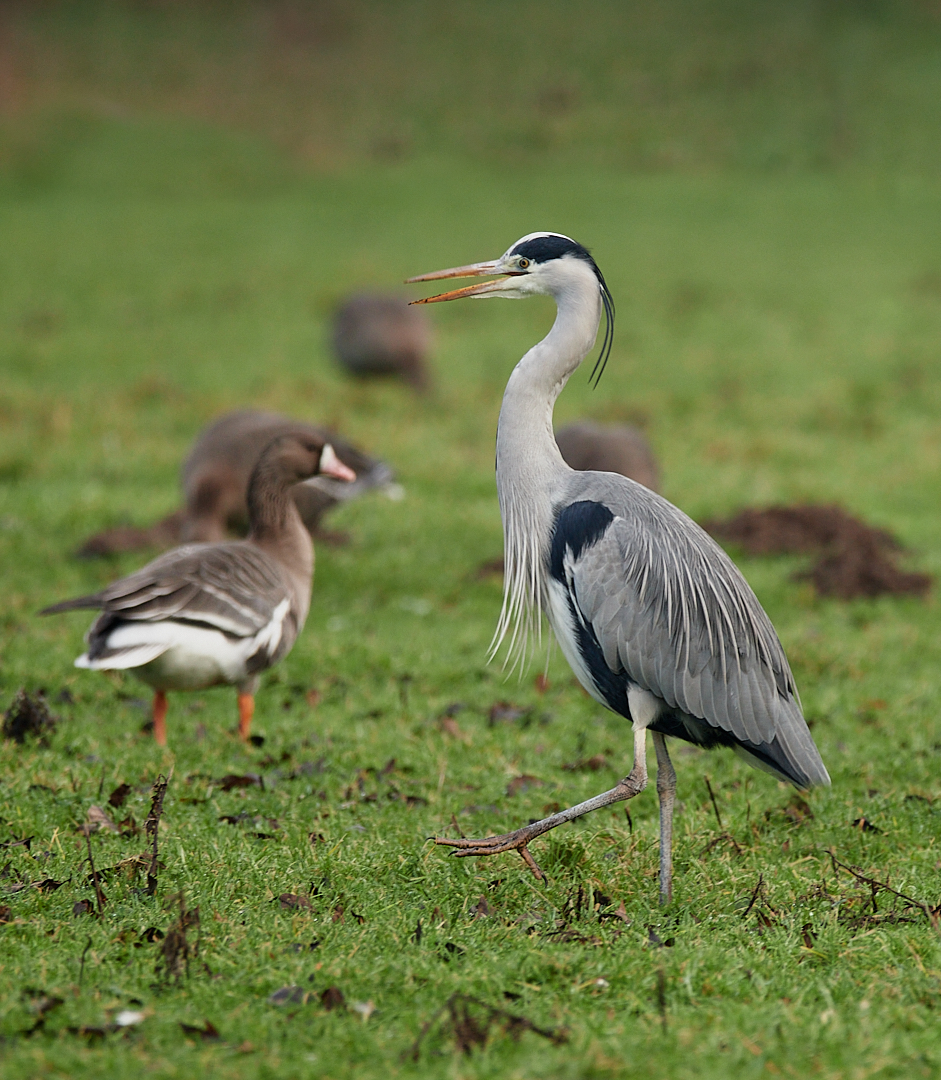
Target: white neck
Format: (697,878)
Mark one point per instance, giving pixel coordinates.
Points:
(530,468)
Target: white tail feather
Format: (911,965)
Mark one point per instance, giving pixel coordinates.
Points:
(131,657)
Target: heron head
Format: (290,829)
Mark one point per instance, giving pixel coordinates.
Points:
(539,264)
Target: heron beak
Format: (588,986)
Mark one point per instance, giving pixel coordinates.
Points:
(474,270)
(331,465)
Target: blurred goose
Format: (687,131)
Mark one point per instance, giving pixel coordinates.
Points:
(215,484)
(614,448)
(208,614)
(379,334)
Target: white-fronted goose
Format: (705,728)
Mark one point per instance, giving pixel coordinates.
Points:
(210,614)
(618,448)
(379,334)
(215,478)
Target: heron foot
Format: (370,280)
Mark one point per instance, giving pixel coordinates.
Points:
(632,784)
(493,845)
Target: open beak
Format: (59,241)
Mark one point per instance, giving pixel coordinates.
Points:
(331,465)
(483,269)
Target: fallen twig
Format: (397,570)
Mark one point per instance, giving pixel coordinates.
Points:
(175,949)
(718,840)
(931,914)
(100,899)
(469,1032)
(152,826)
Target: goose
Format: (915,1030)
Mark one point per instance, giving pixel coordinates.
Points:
(615,448)
(210,614)
(215,485)
(379,334)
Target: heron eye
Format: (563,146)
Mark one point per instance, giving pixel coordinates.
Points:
(523,264)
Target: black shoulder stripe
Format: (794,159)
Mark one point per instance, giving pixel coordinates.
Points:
(577,527)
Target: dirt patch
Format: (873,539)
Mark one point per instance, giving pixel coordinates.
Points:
(28,717)
(788,530)
(855,559)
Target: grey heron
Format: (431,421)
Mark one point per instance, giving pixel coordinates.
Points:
(656,621)
(206,615)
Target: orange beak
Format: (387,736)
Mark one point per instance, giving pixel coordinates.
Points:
(474,270)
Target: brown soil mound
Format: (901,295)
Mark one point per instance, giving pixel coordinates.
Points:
(855,558)
(797,530)
(28,717)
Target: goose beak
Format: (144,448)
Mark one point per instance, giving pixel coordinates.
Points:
(482,269)
(331,465)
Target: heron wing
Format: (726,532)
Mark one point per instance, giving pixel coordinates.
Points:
(671,610)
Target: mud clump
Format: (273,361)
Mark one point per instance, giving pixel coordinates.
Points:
(854,559)
(28,717)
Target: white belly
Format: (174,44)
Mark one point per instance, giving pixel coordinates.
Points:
(189,658)
(559,615)
(197,665)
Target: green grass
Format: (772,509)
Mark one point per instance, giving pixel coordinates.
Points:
(777,335)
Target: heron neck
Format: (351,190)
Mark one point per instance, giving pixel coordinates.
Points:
(530,469)
(527,452)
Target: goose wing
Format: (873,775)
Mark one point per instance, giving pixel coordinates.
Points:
(231,587)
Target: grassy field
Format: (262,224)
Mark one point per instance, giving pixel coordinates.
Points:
(777,336)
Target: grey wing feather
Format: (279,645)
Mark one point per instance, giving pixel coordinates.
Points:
(670,608)
(233,587)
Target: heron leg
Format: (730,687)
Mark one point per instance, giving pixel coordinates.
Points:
(160,717)
(666,790)
(632,784)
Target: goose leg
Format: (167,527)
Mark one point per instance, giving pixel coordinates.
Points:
(160,717)
(632,784)
(666,790)
(246,712)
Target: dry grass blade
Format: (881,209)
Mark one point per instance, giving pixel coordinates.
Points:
(662,997)
(715,805)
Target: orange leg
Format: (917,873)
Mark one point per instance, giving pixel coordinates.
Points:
(246,712)
(160,717)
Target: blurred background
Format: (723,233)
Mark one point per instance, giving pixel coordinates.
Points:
(188,190)
(665,86)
